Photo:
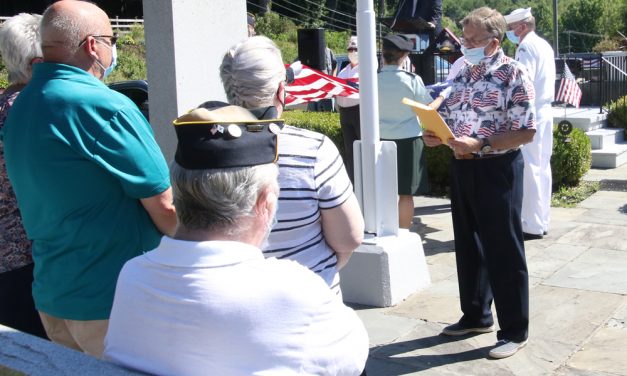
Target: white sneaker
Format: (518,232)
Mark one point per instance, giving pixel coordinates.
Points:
(505,348)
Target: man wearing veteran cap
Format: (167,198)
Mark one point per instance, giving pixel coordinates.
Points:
(319,220)
(398,123)
(206,301)
(491,113)
(537,56)
(91,182)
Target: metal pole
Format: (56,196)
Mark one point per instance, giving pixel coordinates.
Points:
(368,108)
(381,15)
(555,30)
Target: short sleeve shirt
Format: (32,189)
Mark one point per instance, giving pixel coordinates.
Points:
(312,178)
(490,98)
(396,120)
(80,156)
(220,308)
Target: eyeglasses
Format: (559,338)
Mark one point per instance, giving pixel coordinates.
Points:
(514,26)
(113,39)
(470,42)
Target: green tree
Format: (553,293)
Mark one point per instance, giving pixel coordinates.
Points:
(582,16)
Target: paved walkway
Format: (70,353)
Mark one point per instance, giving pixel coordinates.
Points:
(578,299)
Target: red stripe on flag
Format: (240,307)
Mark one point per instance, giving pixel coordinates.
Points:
(311,85)
(569,91)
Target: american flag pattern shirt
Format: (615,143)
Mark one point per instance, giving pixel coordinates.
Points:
(312,178)
(490,98)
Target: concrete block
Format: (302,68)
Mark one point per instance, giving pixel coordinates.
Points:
(385,270)
(605,137)
(584,118)
(611,156)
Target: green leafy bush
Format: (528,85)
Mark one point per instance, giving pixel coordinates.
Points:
(572,158)
(4,76)
(617,115)
(438,165)
(327,123)
(131,57)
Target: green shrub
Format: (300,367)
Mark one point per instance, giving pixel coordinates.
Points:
(327,123)
(572,158)
(438,164)
(617,114)
(4,76)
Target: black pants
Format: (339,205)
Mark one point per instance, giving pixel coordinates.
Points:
(486,202)
(17,309)
(349,120)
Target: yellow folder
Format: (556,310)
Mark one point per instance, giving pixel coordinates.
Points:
(430,119)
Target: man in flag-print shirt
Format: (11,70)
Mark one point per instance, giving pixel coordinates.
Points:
(491,113)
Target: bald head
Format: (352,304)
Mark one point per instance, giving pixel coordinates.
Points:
(66,23)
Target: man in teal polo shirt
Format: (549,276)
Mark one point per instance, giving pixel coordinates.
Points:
(92,184)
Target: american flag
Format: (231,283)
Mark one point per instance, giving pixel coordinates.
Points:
(569,91)
(311,85)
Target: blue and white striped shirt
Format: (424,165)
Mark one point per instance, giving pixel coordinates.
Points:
(312,177)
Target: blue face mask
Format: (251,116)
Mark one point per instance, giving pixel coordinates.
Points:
(512,36)
(474,55)
(114,61)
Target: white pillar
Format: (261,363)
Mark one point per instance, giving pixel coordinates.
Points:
(390,264)
(185,42)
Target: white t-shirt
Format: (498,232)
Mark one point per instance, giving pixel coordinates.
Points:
(220,308)
(312,177)
(348,72)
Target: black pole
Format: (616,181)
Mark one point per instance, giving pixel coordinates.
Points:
(381,15)
(555,30)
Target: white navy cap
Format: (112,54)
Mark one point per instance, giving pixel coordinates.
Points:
(518,15)
(352,43)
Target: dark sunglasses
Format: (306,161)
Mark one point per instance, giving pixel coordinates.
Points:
(112,38)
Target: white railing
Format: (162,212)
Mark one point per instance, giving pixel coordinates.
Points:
(121,25)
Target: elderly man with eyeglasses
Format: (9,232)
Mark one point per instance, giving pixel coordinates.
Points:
(491,114)
(91,183)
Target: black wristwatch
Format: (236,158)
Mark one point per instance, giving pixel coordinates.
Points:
(485,146)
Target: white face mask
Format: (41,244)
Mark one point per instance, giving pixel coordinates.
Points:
(353,57)
(114,61)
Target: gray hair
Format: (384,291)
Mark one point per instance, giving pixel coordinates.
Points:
(215,199)
(487,19)
(251,72)
(66,29)
(19,45)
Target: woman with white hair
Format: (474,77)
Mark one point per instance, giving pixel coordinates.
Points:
(319,220)
(20,49)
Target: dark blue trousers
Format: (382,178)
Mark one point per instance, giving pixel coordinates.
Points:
(486,202)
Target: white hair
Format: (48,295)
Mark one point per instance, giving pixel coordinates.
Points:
(215,199)
(251,72)
(19,45)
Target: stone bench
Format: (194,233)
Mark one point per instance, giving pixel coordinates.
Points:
(21,353)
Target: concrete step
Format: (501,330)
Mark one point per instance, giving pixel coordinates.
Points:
(605,137)
(585,118)
(610,156)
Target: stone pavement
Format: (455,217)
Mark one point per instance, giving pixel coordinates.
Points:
(578,298)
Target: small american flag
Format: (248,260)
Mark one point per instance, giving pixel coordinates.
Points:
(569,91)
(311,85)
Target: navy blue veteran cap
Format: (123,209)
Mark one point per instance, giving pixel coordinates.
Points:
(225,137)
(397,42)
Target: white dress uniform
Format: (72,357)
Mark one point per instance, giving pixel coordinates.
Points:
(537,56)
